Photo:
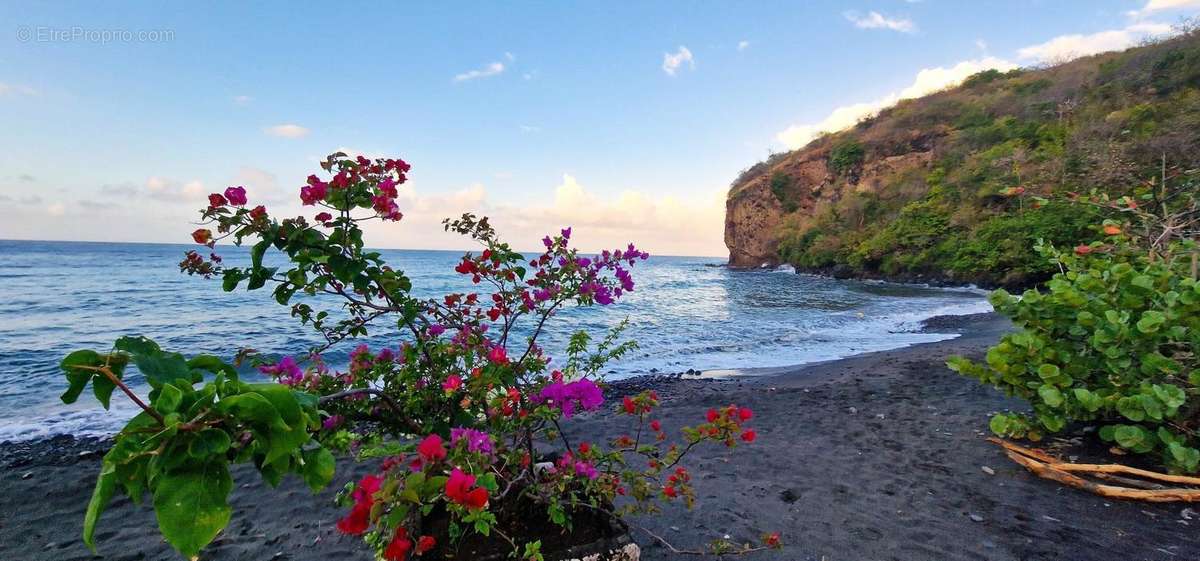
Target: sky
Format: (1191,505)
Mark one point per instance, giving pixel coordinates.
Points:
(624,120)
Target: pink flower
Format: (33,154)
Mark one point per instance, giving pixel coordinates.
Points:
(498,355)
(236,195)
(458,490)
(452,383)
(314,192)
(323,217)
(432,448)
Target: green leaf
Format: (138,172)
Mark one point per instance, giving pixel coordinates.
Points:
(168,399)
(318,469)
(1088,400)
(1131,408)
(106,484)
(77,378)
(1050,395)
(252,407)
(209,443)
(1047,371)
(215,365)
(1133,437)
(192,505)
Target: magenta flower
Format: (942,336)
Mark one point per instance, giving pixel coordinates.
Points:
(477,441)
(236,195)
(566,397)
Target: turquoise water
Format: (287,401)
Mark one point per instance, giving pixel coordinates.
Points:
(687,312)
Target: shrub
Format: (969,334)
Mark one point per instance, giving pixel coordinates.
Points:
(464,417)
(1111,340)
(845,156)
(781,185)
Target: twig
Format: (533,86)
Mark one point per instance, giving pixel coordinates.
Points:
(128,392)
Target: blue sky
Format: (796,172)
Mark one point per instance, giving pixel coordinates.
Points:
(574,114)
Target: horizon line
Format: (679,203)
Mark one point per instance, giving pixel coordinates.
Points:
(185,244)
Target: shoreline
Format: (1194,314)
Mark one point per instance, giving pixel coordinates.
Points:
(879,456)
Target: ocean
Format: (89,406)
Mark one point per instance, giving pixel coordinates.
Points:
(686,313)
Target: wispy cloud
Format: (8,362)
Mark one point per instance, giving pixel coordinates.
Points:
(16,89)
(491,69)
(530,128)
(672,62)
(876,20)
(242,99)
(287,130)
(1153,6)
(1066,47)
(743,45)
(927,80)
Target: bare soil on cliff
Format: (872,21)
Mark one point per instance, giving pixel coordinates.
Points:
(875,457)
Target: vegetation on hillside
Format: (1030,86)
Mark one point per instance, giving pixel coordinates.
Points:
(1004,143)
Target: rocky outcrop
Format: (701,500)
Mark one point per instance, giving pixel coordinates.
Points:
(754,212)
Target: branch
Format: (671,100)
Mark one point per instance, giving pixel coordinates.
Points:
(128,392)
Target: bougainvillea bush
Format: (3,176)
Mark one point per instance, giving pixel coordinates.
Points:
(1111,340)
(463,415)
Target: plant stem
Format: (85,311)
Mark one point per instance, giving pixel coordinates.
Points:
(128,392)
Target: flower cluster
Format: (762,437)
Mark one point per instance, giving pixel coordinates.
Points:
(466,417)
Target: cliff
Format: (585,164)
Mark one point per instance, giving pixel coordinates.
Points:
(953,187)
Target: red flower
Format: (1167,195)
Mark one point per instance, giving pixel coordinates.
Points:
(452,383)
(749,435)
(359,518)
(745,414)
(655,425)
(629,406)
(258,212)
(1083,249)
(323,217)
(202,236)
(236,195)
(772,539)
(215,200)
(712,415)
(670,491)
(425,543)
(498,355)
(432,448)
(459,490)
(398,549)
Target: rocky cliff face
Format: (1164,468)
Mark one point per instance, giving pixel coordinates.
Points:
(755,213)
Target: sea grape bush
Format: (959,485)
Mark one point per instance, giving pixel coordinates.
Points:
(464,413)
(1110,340)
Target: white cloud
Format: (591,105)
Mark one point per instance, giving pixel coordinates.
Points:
(56,209)
(981,44)
(530,128)
(242,99)
(287,130)
(927,80)
(16,89)
(1067,47)
(672,62)
(601,218)
(492,69)
(1163,6)
(876,20)
(743,45)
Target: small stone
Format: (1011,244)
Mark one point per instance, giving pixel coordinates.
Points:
(879,416)
(975,517)
(987,544)
(987,470)
(27,475)
(675,528)
(50,545)
(853,410)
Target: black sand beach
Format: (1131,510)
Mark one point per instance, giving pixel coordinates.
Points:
(875,457)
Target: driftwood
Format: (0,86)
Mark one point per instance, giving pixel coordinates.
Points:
(1048,467)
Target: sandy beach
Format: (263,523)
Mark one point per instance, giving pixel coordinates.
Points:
(876,457)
